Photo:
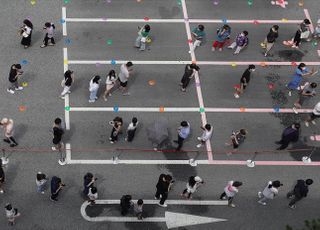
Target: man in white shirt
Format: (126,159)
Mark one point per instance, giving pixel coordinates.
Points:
(124,75)
(206,135)
(315,114)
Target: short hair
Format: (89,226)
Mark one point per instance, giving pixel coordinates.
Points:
(297,125)
(184,123)
(276,184)
(251,67)
(147,28)
(47,24)
(207,127)
(140,202)
(243,131)
(8,206)
(17,66)
(201,27)
(276,27)
(309,181)
(237,184)
(94,190)
(134,120)
(57,121)
(245,33)
(314,85)
(307,21)
(129,64)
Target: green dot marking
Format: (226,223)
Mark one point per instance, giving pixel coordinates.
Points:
(67,108)
(201,110)
(109,42)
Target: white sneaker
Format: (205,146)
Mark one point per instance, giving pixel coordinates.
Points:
(220,49)
(19,88)
(199,138)
(289,93)
(53,148)
(306,123)
(313,122)
(199,145)
(91,101)
(42,192)
(260,194)
(10,91)
(1,191)
(62,97)
(236,95)
(232,205)
(295,110)
(163,205)
(263,203)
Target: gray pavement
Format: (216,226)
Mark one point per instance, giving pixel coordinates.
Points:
(89,130)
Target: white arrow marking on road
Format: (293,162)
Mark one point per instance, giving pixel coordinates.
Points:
(172,219)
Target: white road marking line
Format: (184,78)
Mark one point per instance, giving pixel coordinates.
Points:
(66,97)
(64,24)
(68,152)
(221,63)
(318,51)
(187,162)
(196,77)
(156,20)
(306,12)
(185,109)
(171,202)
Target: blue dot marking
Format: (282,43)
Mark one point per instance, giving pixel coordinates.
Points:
(115,108)
(224,21)
(67,41)
(276,109)
(113,62)
(62,21)
(24,62)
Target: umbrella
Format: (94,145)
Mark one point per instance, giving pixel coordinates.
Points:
(158,132)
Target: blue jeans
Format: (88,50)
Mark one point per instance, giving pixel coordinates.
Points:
(139,43)
(93,95)
(42,187)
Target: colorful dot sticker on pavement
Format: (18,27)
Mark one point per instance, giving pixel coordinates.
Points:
(24,62)
(301,3)
(98,64)
(67,108)
(293,63)
(148,40)
(115,109)
(65,62)
(62,21)
(109,42)
(263,64)
(276,109)
(33,2)
(314,44)
(271,86)
(24,84)
(236,86)
(250,2)
(242,109)
(215,3)
(161,109)
(201,110)
(152,82)
(224,21)
(256,22)
(66,1)
(284,19)
(67,41)
(179,2)
(108,1)
(190,41)
(233,64)
(22,108)
(113,62)
(146,18)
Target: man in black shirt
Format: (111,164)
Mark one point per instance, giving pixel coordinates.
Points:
(163,187)
(290,134)
(15,72)
(57,135)
(244,80)
(300,191)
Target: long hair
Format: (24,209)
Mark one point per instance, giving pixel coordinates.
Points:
(28,23)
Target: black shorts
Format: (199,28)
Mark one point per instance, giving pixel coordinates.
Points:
(314,116)
(123,84)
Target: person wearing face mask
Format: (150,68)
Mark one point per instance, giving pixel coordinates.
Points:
(244,80)
(270,39)
(301,71)
(240,42)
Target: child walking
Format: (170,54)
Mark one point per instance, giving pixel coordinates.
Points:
(131,129)
(206,135)
(142,37)
(49,27)
(269,192)
(192,186)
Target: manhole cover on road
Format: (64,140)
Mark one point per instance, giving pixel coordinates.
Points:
(291,55)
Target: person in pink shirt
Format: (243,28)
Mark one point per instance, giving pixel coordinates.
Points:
(7,125)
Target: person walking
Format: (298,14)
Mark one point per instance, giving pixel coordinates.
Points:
(163,187)
(92,195)
(2,177)
(299,191)
(57,135)
(49,27)
(123,77)
(269,192)
(56,187)
(183,133)
(138,209)
(131,130)
(88,182)
(240,42)
(300,72)
(66,83)
(126,204)
(290,134)
(223,34)
(314,115)
(93,88)
(308,91)
(206,135)
(7,125)
(11,213)
(189,72)
(41,181)
(142,37)
(110,82)
(26,33)
(14,75)
(230,191)
(192,186)
(305,30)
(116,124)
(244,80)
(236,139)
(270,39)
(197,35)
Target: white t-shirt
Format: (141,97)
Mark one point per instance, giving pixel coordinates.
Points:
(111,80)
(92,196)
(206,135)
(93,86)
(124,73)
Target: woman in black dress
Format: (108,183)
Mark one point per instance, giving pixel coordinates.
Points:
(26,32)
(189,73)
